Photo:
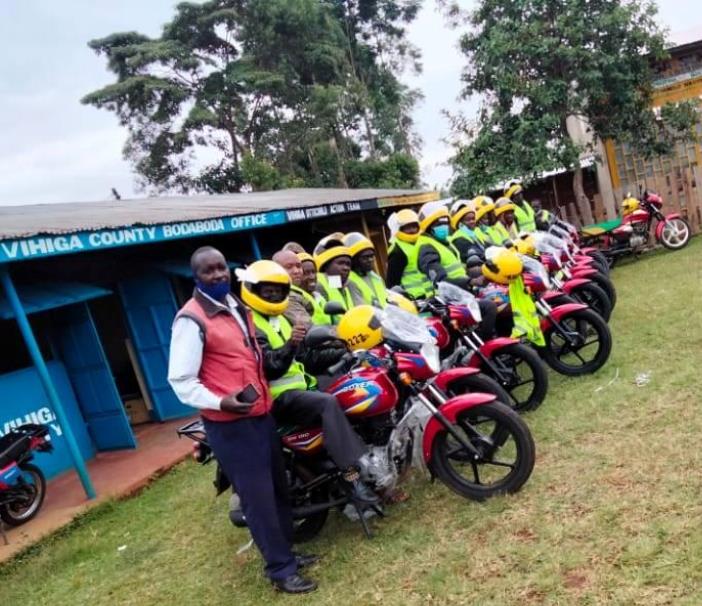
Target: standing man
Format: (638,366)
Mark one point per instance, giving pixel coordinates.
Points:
(365,285)
(216,365)
(523,212)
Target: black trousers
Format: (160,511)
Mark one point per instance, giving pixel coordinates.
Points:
(486,328)
(308,408)
(250,455)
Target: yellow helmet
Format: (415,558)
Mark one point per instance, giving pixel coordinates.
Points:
(256,274)
(512,189)
(526,244)
(356,242)
(501,265)
(483,205)
(395,298)
(459,210)
(401,219)
(304,257)
(629,205)
(503,205)
(360,328)
(329,248)
(430,212)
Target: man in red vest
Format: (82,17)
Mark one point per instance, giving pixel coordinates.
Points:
(215,365)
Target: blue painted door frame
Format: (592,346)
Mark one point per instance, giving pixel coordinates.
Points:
(150,307)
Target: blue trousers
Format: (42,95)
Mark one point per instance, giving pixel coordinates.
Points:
(250,455)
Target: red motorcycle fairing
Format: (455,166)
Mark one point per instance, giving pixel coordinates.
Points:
(413,364)
(489,348)
(661,224)
(451,409)
(368,392)
(569,285)
(558,312)
(638,216)
(462,315)
(305,441)
(446,377)
(439,332)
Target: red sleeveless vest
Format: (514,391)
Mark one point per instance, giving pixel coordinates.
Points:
(230,359)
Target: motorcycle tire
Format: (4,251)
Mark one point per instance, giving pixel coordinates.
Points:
(16,517)
(605,284)
(600,261)
(678,244)
(595,298)
(308,528)
(512,357)
(478,383)
(449,461)
(556,347)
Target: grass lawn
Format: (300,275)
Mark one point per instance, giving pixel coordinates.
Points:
(611,515)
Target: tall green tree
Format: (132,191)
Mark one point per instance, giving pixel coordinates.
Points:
(542,66)
(266,93)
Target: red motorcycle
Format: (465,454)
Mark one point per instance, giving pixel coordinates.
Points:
(516,367)
(633,234)
(397,399)
(22,485)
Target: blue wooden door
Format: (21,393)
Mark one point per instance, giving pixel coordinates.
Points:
(79,347)
(150,307)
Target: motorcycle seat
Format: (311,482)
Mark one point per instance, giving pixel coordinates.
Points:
(11,447)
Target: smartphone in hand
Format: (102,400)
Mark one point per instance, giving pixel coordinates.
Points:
(248,395)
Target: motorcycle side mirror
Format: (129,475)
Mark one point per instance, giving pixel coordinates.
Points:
(334,308)
(318,335)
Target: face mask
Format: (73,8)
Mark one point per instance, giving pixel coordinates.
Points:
(441,232)
(216,291)
(466,229)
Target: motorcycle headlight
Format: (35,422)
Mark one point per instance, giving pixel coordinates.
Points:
(430,353)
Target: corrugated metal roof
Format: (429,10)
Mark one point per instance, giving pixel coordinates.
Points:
(36,219)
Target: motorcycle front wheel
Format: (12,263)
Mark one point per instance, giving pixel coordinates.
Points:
(33,490)
(526,379)
(595,298)
(675,234)
(584,349)
(506,447)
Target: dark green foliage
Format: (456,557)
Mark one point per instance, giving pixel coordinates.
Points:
(538,63)
(266,93)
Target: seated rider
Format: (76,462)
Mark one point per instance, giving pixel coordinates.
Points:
(365,285)
(524,214)
(286,364)
(304,302)
(333,262)
(403,255)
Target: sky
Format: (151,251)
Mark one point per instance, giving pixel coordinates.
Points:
(53,149)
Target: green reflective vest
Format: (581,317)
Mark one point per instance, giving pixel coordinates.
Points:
(524,314)
(318,316)
(340,295)
(413,281)
(449,257)
(501,233)
(525,217)
(278,336)
(372,288)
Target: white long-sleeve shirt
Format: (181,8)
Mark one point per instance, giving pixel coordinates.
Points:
(185,359)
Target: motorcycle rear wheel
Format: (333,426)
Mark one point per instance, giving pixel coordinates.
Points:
(595,298)
(480,480)
(675,234)
(36,490)
(572,361)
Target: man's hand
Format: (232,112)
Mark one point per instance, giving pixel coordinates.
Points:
(231,404)
(298,332)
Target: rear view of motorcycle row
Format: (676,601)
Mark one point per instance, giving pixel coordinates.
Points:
(438,360)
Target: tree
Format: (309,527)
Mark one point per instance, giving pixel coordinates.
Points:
(266,93)
(542,66)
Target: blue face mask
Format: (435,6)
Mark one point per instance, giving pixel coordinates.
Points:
(467,229)
(441,232)
(216,291)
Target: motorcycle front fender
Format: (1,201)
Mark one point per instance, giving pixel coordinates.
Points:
(489,348)
(582,271)
(661,224)
(559,312)
(451,409)
(446,377)
(569,285)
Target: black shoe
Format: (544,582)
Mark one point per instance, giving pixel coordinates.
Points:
(361,494)
(294,584)
(306,559)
